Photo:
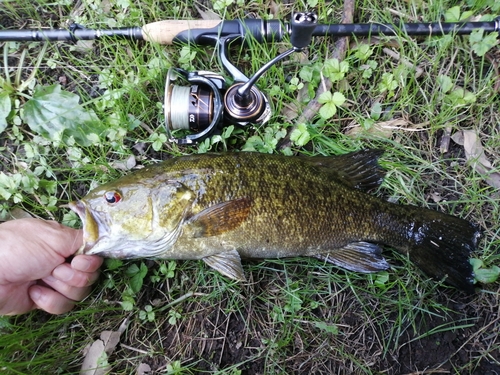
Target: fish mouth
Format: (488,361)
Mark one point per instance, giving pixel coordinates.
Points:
(90,226)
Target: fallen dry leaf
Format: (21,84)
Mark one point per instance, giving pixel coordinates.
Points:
(96,359)
(208,14)
(474,153)
(14,214)
(381,128)
(143,369)
(125,165)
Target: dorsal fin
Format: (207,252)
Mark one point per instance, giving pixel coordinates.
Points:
(358,169)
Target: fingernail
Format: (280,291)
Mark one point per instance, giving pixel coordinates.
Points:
(63,273)
(80,263)
(50,279)
(35,293)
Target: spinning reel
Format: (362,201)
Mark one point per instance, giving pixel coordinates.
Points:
(208,104)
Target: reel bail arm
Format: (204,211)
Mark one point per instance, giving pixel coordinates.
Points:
(242,101)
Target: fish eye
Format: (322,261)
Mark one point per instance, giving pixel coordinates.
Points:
(112,197)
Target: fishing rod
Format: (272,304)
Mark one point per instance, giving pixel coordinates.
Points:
(210,102)
(201,32)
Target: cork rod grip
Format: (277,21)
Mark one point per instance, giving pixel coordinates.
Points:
(164,32)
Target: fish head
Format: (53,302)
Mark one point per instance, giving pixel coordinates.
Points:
(132,219)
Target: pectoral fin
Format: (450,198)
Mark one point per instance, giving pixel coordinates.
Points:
(358,257)
(219,218)
(227,263)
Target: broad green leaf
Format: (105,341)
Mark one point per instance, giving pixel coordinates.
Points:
(465,15)
(476,263)
(54,114)
(376,111)
(335,70)
(330,103)
(487,275)
(452,14)
(137,279)
(328,110)
(306,73)
(460,96)
(5,108)
(136,282)
(388,83)
(363,52)
(484,275)
(300,135)
(113,264)
(338,98)
(381,279)
(325,97)
(127,304)
(132,270)
(330,328)
(481,44)
(445,83)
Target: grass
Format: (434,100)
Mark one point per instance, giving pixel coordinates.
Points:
(295,315)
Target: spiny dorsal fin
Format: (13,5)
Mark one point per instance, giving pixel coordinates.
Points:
(358,169)
(358,257)
(227,263)
(220,218)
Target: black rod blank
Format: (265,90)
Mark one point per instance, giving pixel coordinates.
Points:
(250,27)
(33,35)
(414,29)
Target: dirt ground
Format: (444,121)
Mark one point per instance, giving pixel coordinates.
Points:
(213,337)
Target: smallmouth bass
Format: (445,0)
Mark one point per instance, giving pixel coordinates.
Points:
(227,206)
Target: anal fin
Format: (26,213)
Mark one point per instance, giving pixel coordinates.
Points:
(228,263)
(362,257)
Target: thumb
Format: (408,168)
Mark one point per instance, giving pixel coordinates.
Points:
(64,240)
(31,248)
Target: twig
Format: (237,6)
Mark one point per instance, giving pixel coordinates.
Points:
(396,56)
(494,63)
(339,52)
(180,299)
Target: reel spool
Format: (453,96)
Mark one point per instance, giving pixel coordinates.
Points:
(197,108)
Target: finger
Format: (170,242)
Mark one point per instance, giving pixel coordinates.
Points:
(65,273)
(69,291)
(86,263)
(50,300)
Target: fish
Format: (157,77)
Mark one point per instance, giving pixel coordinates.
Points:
(225,207)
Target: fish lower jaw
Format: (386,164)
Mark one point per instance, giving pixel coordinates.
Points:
(120,250)
(81,250)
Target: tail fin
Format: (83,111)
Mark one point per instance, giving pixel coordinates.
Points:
(441,246)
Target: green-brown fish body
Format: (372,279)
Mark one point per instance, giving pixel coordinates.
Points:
(223,207)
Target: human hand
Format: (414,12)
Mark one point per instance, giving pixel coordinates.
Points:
(34,273)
